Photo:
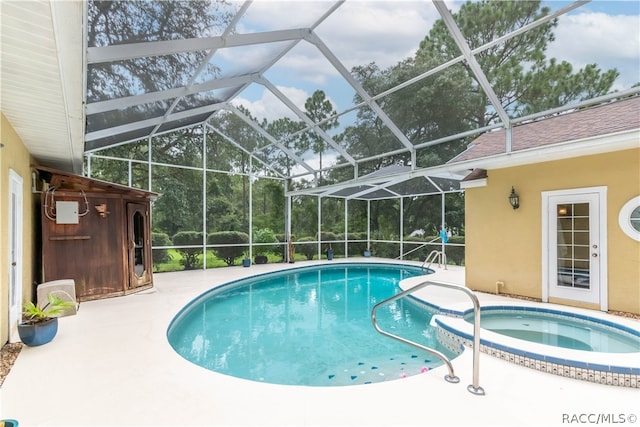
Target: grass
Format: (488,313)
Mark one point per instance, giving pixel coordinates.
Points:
(175,258)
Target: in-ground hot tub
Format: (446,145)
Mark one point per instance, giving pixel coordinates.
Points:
(559,329)
(568,342)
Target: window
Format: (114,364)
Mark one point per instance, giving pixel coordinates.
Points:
(629,218)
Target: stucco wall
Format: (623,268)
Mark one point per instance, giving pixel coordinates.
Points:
(506,245)
(14,155)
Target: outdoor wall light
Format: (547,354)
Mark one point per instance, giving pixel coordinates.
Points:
(514,199)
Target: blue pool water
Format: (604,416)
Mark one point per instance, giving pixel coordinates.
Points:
(559,329)
(308,326)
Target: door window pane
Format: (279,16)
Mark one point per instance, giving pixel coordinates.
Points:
(138,243)
(573,245)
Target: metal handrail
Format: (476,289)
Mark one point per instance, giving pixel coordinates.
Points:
(440,255)
(451,377)
(419,247)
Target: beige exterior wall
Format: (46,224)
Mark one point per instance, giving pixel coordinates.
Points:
(14,155)
(505,245)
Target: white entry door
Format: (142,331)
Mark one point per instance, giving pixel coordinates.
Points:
(15,254)
(574,245)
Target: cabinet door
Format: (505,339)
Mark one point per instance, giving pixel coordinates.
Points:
(139,244)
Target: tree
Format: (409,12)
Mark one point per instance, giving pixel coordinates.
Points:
(451,101)
(429,109)
(120,22)
(286,131)
(179,206)
(319,109)
(517,68)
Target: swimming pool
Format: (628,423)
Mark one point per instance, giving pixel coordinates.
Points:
(308,326)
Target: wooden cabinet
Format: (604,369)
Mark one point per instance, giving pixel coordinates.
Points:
(97,233)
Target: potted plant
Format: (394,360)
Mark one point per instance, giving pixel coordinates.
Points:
(329,253)
(246,261)
(261,237)
(40,324)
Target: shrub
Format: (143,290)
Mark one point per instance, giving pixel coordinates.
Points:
(387,250)
(264,235)
(307,249)
(327,238)
(422,253)
(229,253)
(284,247)
(160,256)
(455,254)
(357,248)
(189,259)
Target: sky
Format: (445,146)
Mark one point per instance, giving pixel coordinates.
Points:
(359,32)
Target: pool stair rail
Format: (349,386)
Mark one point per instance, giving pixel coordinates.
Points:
(433,256)
(473,388)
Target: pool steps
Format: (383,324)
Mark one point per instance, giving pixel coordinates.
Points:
(473,388)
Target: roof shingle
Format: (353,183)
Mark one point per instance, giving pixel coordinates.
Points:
(601,120)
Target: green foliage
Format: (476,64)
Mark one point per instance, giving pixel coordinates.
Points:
(268,205)
(173,263)
(304,217)
(264,235)
(179,206)
(33,313)
(309,250)
(229,253)
(318,108)
(455,254)
(517,69)
(190,256)
(221,214)
(387,250)
(160,256)
(285,130)
(357,248)
(444,103)
(327,239)
(115,22)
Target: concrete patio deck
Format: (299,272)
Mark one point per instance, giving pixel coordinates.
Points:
(111,365)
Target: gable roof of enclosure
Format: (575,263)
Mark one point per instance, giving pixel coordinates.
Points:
(208,82)
(391,182)
(209,69)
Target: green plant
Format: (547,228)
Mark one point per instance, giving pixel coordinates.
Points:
(229,254)
(189,255)
(264,235)
(160,256)
(309,250)
(33,313)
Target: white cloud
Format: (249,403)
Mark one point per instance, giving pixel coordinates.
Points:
(313,160)
(611,41)
(271,108)
(386,32)
(358,32)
